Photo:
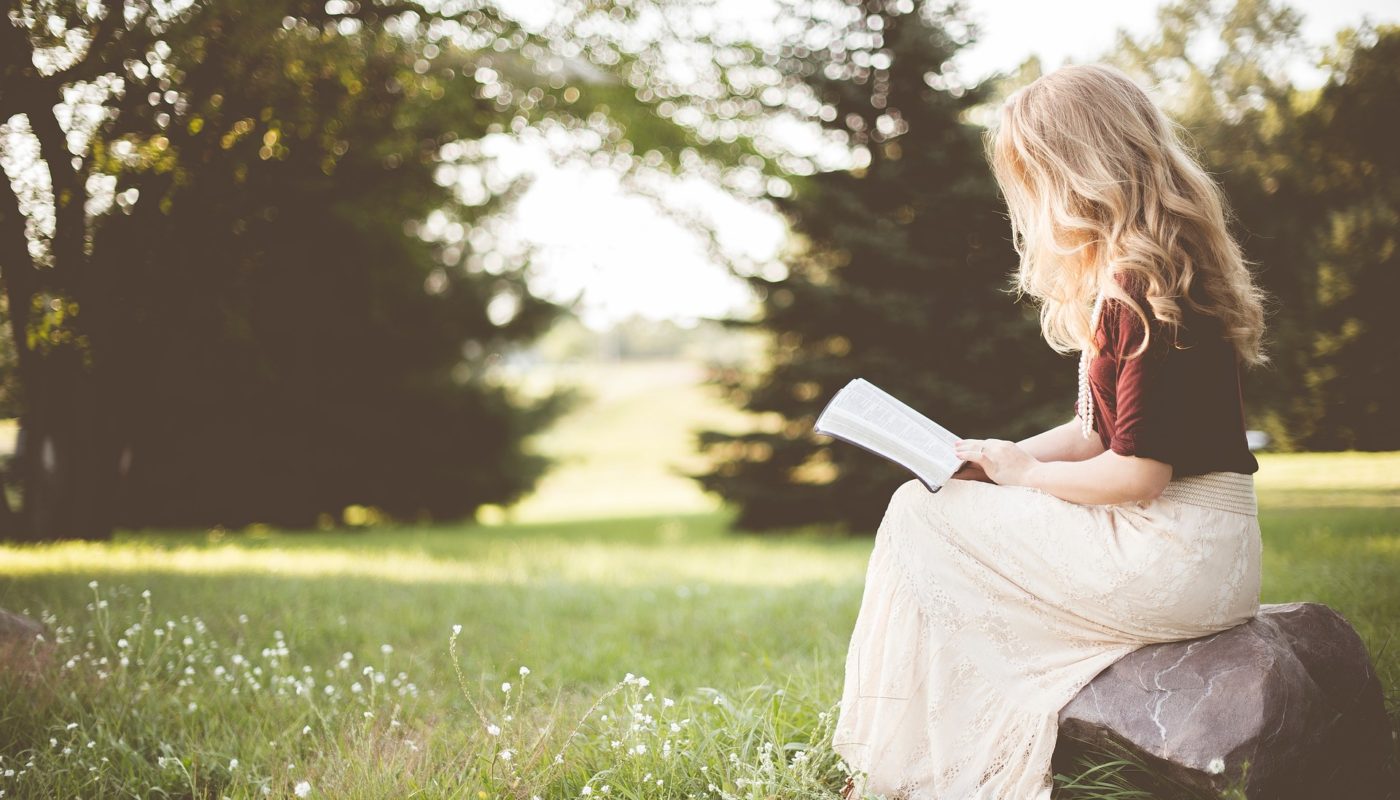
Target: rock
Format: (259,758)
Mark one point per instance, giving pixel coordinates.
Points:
(1292,692)
(19,644)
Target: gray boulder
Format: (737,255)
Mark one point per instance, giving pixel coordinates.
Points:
(1292,692)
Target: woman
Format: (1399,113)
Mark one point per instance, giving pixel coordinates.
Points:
(989,604)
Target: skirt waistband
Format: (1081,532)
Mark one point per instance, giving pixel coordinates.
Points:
(1226,491)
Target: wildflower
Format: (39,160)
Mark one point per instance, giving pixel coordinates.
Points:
(642,682)
(505,687)
(306,730)
(667,702)
(493,729)
(386,649)
(92,584)
(303,789)
(505,755)
(524,670)
(233,763)
(587,790)
(146,593)
(1216,766)
(456,629)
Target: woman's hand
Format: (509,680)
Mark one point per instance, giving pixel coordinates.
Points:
(1002,461)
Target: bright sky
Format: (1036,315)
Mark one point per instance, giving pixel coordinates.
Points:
(624,258)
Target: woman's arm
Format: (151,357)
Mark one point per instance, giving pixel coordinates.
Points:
(1062,443)
(1105,478)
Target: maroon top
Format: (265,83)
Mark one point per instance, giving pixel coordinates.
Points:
(1181,406)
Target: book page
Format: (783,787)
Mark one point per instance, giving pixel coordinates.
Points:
(865,415)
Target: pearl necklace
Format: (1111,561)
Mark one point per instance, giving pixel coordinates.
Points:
(1086,403)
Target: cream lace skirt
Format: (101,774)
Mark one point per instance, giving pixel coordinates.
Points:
(986,608)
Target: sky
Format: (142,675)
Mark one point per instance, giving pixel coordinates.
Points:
(621,257)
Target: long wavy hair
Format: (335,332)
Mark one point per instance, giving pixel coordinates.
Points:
(1102,193)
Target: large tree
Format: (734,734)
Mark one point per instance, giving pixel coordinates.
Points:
(900,274)
(237,287)
(1350,383)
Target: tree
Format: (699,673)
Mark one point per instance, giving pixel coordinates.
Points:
(154,349)
(900,274)
(263,322)
(1307,183)
(1244,114)
(1350,380)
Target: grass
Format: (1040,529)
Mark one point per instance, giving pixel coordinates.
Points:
(686,661)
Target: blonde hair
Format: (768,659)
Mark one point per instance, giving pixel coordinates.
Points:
(1100,189)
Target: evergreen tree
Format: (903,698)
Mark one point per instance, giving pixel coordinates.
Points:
(1350,383)
(901,273)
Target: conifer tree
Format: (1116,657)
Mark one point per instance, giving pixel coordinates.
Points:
(900,272)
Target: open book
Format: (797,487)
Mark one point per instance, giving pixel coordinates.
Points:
(866,416)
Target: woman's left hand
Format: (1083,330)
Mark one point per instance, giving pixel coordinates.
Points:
(1004,462)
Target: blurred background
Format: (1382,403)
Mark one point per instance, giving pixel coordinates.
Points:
(336,264)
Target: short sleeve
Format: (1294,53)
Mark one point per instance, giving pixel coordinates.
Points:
(1143,407)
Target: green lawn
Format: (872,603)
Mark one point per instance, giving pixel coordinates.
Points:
(740,641)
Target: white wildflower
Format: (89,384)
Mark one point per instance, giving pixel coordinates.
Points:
(303,789)
(524,670)
(493,729)
(505,687)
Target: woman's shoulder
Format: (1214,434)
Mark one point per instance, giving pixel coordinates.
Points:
(1126,324)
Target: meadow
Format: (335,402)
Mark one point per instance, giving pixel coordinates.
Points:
(645,654)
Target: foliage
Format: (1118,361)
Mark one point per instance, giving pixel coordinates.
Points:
(899,274)
(267,286)
(266,317)
(1312,189)
(1352,392)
